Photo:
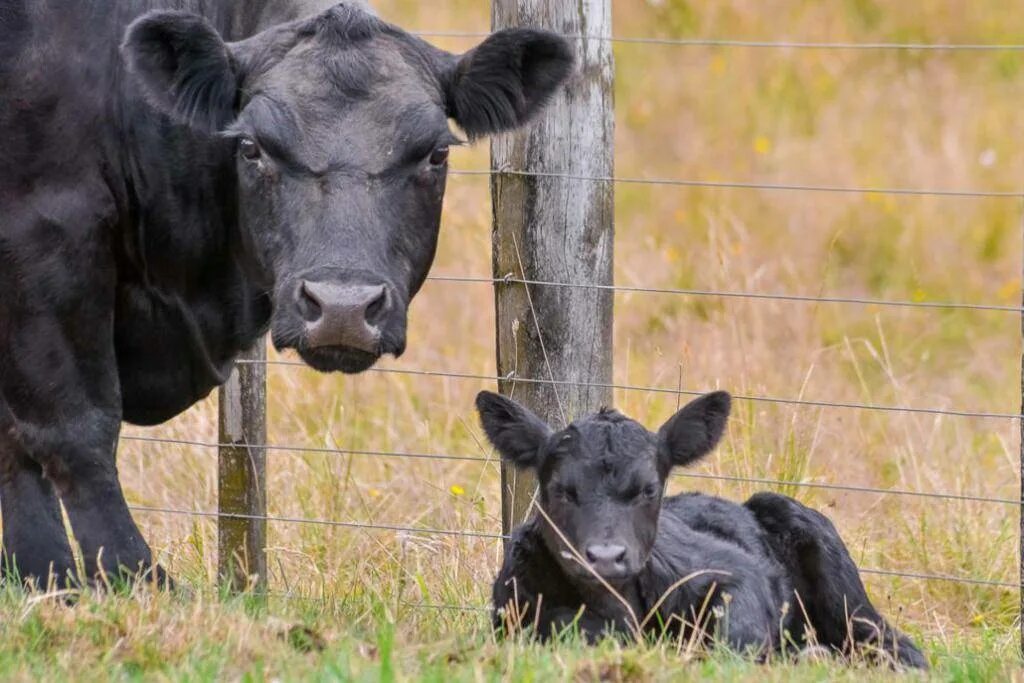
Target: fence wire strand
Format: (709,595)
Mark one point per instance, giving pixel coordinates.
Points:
(736,185)
(469,279)
(771,44)
(677,392)
(459,533)
(319,522)
(693,475)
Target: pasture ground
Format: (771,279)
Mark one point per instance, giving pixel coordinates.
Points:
(362,604)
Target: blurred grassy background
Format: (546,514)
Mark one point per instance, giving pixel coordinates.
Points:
(879,118)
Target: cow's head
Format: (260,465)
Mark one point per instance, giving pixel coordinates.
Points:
(601,479)
(340,129)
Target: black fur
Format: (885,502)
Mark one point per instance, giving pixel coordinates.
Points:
(761,577)
(514,431)
(141,251)
(184,68)
(695,430)
(507,79)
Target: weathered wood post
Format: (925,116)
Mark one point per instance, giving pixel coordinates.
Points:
(556,229)
(242,474)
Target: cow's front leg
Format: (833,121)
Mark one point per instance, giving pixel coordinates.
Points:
(60,393)
(80,463)
(112,546)
(35,545)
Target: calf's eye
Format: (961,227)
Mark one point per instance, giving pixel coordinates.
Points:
(439,156)
(650,491)
(248,149)
(566,493)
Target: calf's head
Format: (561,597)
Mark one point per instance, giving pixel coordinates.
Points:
(339,128)
(601,478)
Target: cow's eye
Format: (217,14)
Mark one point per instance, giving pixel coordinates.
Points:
(248,149)
(650,491)
(439,156)
(566,493)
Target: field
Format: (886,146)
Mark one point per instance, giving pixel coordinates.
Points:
(372,604)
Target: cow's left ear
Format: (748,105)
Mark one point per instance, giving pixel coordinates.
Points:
(506,79)
(695,430)
(184,67)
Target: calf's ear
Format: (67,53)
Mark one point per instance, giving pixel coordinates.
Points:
(506,79)
(184,68)
(516,432)
(695,430)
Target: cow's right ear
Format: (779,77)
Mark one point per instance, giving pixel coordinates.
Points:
(517,433)
(503,82)
(184,67)
(695,430)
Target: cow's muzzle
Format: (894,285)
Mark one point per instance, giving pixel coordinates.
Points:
(344,315)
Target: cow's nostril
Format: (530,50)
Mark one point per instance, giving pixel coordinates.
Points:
(377,307)
(310,306)
(606,554)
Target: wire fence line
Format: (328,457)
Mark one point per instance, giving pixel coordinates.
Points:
(293,448)
(667,390)
(773,44)
(737,185)
(467,534)
(732,294)
(307,449)
(461,533)
(318,522)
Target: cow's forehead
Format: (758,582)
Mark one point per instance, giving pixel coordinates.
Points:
(360,100)
(605,445)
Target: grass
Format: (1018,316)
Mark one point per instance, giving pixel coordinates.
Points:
(357,598)
(206,637)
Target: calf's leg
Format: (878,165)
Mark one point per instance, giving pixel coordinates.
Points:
(827,581)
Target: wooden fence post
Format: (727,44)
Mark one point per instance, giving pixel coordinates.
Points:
(242,475)
(556,229)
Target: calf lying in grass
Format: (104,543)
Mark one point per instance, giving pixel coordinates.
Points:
(607,553)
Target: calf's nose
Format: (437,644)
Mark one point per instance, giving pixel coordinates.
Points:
(339,314)
(606,558)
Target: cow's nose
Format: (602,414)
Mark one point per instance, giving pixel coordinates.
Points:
(607,559)
(348,315)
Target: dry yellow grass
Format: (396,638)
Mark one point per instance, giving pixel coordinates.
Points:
(823,117)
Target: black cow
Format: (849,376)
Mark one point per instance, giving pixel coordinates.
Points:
(607,553)
(176,176)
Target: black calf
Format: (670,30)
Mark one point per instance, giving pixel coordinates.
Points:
(607,553)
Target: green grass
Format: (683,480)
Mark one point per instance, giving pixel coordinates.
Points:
(171,638)
(854,118)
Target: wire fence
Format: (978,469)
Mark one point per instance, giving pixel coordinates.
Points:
(772,44)
(295,448)
(511,280)
(737,185)
(674,391)
(476,535)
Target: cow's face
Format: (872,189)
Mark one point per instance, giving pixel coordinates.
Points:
(341,137)
(601,479)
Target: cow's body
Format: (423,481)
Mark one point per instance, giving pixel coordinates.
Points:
(608,553)
(120,207)
(167,197)
(716,546)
